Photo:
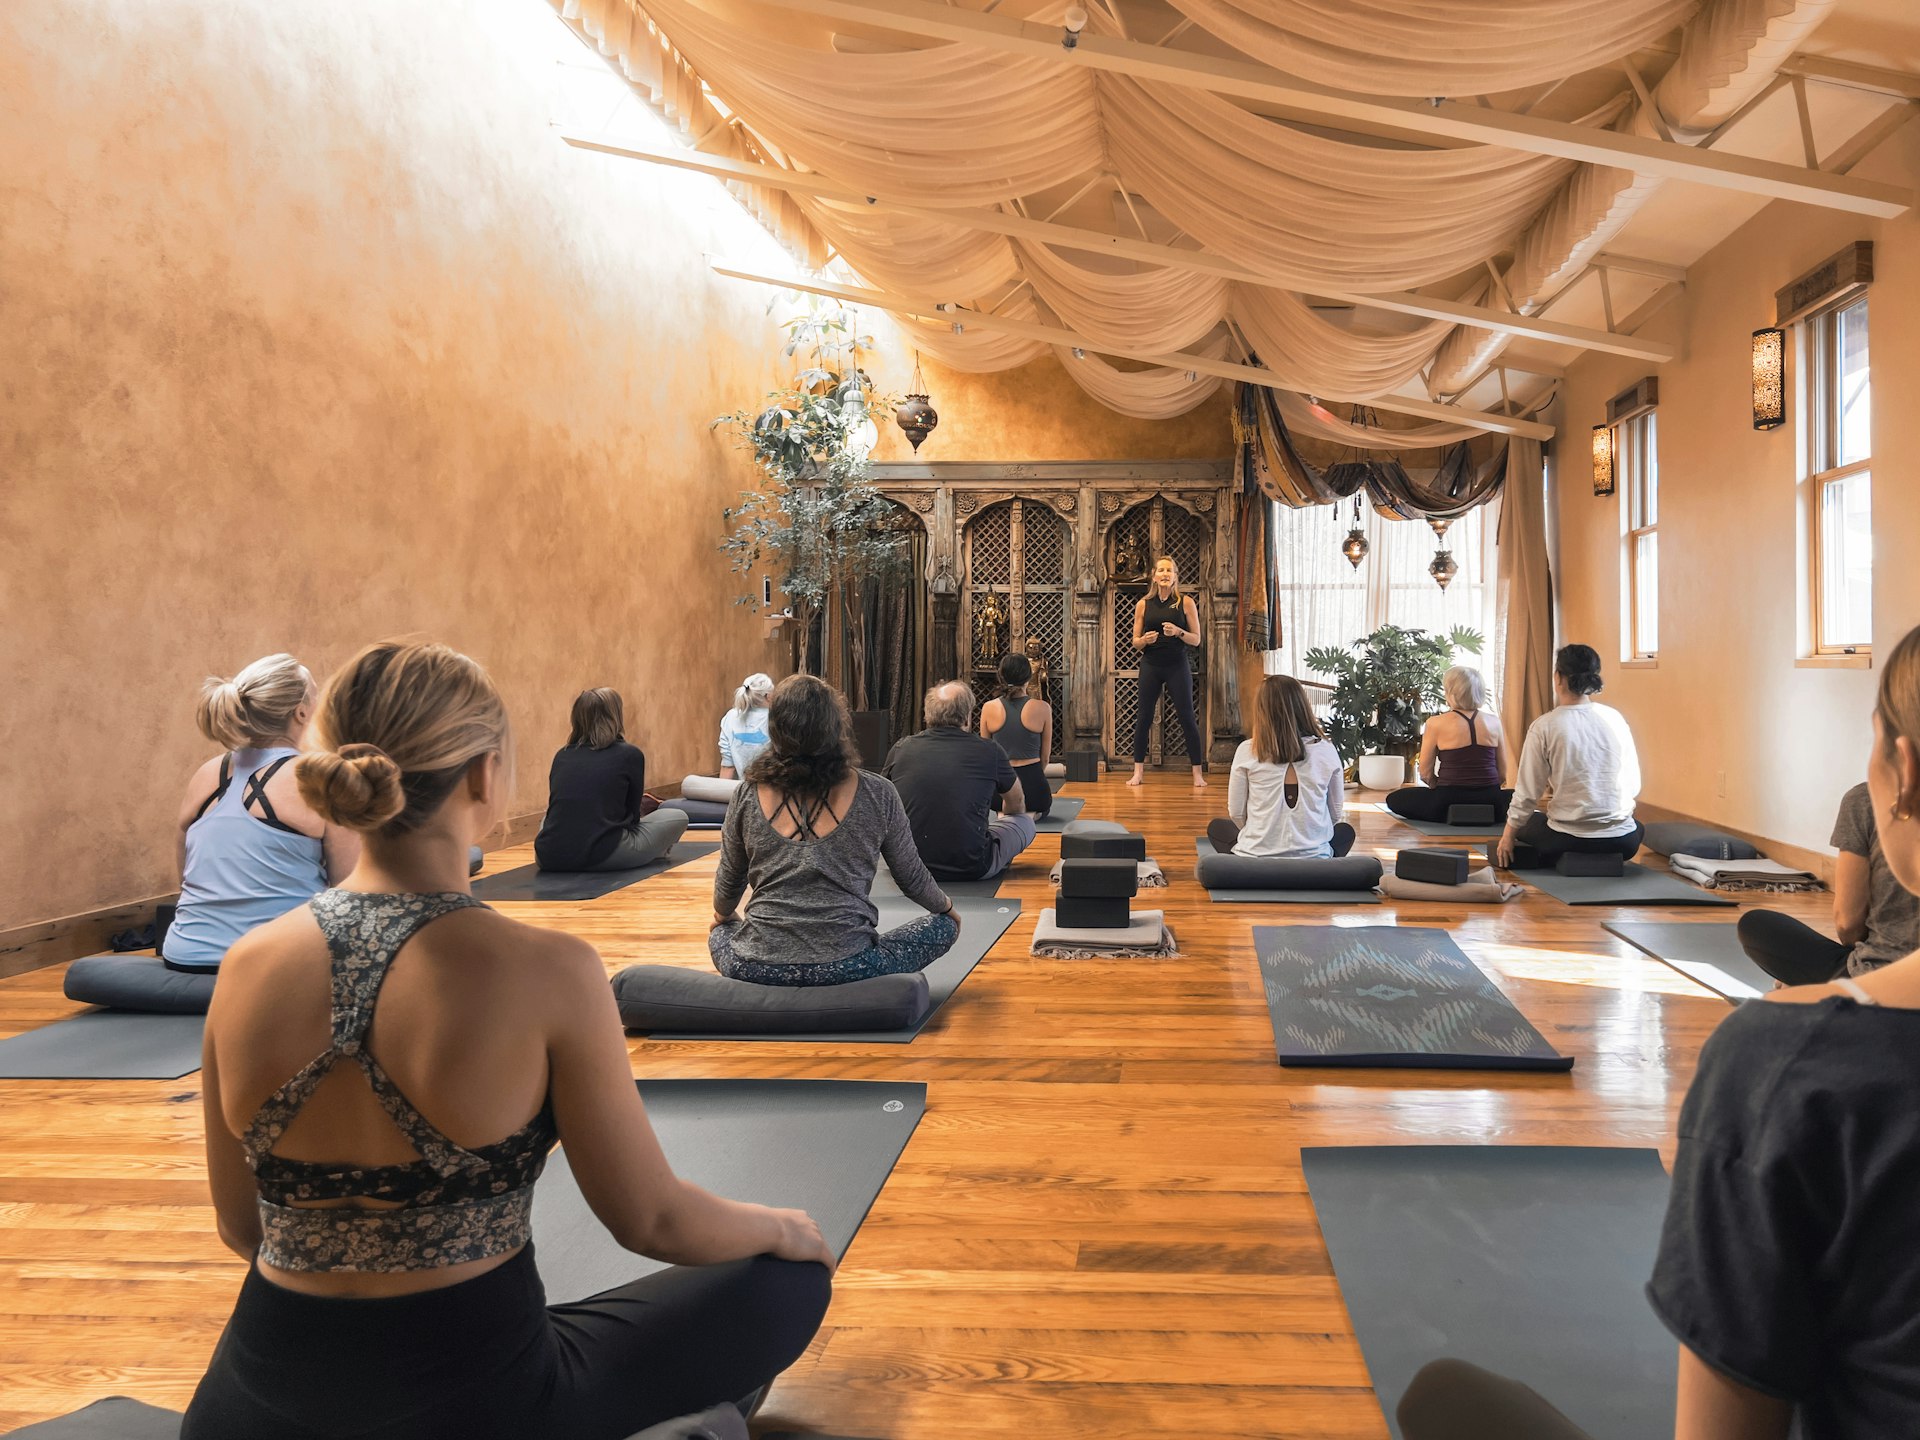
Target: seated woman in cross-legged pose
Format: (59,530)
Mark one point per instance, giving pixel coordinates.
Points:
(1876,917)
(1786,1268)
(1023,727)
(805,836)
(386,1071)
(1579,775)
(743,729)
(250,848)
(1287,793)
(1463,755)
(599,816)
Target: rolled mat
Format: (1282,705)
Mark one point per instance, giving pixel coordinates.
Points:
(1259,880)
(530,882)
(1386,995)
(1527,1260)
(823,1146)
(1708,955)
(1147,936)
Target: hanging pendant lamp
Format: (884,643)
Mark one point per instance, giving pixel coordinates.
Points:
(1443,568)
(1355,547)
(915,417)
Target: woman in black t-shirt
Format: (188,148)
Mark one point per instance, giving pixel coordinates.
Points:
(598,813)
(1787,1268)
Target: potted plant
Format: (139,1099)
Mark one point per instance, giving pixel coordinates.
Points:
(819,523)
(1385,686)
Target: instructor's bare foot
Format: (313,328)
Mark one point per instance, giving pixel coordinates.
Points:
(1199,781)
(1139,777)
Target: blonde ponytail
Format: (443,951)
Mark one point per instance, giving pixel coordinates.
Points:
(257,704)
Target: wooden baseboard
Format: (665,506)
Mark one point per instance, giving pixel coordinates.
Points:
(1814,862)
(53,942)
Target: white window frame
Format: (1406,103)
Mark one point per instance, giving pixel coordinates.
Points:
(1636,449)
(1824,376)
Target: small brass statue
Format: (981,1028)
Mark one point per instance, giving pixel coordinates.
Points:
(989,626)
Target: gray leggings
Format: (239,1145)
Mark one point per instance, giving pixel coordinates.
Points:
(646,840)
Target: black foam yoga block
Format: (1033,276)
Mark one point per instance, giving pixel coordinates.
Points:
(1575,862)
(1102,847)
(1099,879)
(1105,913)
(1471,815)
(1433,867)
(1083,766)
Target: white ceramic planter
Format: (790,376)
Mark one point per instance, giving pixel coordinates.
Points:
(1382,772)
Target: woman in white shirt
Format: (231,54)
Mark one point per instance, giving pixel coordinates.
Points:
(1579,775)
(743,729)
(1286,793)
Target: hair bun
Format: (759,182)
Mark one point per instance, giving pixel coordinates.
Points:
(357,786)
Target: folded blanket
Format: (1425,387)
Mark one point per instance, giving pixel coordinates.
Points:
(1146,935)
(1150,874)
(1741,874)
(1480,889)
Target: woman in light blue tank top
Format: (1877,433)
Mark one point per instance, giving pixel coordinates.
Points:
(250,848)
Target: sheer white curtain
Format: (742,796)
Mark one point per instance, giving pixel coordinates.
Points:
(1326,601)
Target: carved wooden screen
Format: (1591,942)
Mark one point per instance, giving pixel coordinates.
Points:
(1019,557)
(1142,535)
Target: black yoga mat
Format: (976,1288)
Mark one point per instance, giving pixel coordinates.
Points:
(115,1418)
(1204,847)
(106,1045)
(1065,808)
(886,888)
(823,1146)
(1638,886)
(530,882)
(1708,955)
(1385,995)
(1525,1260)
(982,923)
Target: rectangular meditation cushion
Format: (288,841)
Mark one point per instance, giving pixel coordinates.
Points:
(1471,815)
(1095,879)
(1432,867)
(1575,862)
(1107,912)
(1683,837)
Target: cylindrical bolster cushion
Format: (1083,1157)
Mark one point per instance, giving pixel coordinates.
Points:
(1681,837)
(138,982)
(666,998)
(1254,872)
(699,812)
(709,787)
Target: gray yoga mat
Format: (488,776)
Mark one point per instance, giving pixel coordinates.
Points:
(1638,886)
(115,1418)
(1443,831)
(1708,955)
(982,923)
(1386,995)
(1065,808)
(1203,846)
(106,1045)
(530,882)
(1526,1260)
(823,1146)
(885,887)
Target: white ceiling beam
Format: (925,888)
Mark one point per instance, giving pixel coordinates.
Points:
(1175,360)
(1094,242)
(1450,118)
(1854,77)
(1633,265)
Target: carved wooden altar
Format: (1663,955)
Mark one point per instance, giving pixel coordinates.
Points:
(1040,551)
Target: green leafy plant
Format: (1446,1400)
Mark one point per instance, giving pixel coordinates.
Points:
(818,523)
(1385,686)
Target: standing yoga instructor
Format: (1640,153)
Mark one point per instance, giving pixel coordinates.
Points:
(1165,627)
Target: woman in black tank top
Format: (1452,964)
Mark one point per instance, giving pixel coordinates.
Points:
(1165,626)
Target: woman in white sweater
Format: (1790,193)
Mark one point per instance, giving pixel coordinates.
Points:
(1286,794)
(1579,775)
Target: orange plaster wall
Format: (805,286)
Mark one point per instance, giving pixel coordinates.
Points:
(315,334)
(1727,697)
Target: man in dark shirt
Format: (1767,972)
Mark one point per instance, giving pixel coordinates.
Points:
(947,778)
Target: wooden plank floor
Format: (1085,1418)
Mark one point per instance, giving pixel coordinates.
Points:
(1099,1230)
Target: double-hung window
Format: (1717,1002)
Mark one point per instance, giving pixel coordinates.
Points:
(1637,463)
(1840,469)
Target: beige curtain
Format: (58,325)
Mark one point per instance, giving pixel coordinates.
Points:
(1525,604)
(1156,394)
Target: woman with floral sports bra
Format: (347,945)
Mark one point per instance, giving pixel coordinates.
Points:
(386,1070)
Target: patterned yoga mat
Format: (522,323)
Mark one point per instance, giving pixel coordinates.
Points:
(1386,995)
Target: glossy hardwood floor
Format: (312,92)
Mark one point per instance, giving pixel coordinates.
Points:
(1099,1230)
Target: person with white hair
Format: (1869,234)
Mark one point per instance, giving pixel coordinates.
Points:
(1463,755)
(950,780)
(743,729)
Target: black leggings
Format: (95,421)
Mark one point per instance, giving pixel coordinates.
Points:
(1034,789)
(1538,845)
(1792,953)
(1452,1400)
(1431,802)
(490,1358)
(1224,835)
(1177,681)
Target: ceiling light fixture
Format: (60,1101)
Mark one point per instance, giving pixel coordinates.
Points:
(1076,21)
(915,417)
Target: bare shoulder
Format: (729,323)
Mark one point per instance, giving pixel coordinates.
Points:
(501,963)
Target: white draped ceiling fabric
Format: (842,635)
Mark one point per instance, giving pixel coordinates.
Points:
(968,126)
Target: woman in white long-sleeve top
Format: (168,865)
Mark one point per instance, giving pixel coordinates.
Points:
(1286,796)
(1579,774)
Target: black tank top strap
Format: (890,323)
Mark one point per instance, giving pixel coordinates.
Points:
(226,779)
(1473,733)
(257,791)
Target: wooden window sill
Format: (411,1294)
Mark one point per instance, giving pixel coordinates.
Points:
(1834,662)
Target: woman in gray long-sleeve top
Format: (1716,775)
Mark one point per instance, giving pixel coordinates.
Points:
(805,835)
